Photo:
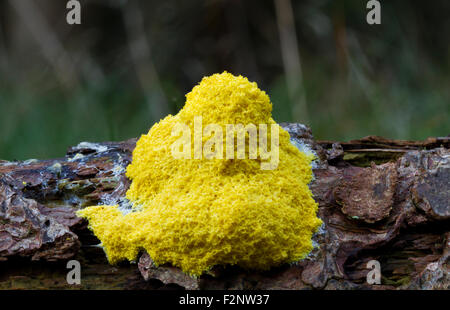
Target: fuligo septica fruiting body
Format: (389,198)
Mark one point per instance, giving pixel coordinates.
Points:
(195,213)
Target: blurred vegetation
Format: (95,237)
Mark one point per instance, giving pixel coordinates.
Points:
(131,62)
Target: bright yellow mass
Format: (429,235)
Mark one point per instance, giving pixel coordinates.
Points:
(198,213)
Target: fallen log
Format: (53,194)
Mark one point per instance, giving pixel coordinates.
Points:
(379,199)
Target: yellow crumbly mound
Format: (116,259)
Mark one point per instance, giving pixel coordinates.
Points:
(197,213)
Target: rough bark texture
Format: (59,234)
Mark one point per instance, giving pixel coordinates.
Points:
(380,199)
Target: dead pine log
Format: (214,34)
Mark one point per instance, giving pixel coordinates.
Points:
(379,199)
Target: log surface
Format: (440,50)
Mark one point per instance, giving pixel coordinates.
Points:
(379,199)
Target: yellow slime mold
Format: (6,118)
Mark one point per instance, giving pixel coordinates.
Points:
(197,213)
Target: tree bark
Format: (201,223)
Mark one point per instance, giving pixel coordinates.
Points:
(379,199)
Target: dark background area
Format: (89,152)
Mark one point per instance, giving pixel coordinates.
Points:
(130,63)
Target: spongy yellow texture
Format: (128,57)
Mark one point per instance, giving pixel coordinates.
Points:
(197,213)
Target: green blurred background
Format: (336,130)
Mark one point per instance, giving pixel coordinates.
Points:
(131,62)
